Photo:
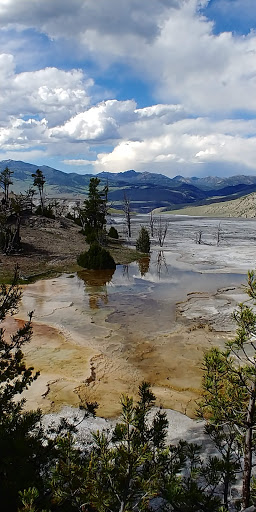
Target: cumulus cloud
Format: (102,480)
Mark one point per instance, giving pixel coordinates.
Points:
(200,79)
(206,72)
(49,92)
(170,155)
(63,18)
(183,144)
(99,123)
(170,42)
(161,138)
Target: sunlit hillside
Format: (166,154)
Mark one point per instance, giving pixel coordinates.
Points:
(242,207)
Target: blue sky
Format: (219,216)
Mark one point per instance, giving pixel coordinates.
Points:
(164,86)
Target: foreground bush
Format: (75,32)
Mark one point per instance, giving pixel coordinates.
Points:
(96,258)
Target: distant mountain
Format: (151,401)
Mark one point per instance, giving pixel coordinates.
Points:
(57,182)
(145,190)
(136,178)
(216,183)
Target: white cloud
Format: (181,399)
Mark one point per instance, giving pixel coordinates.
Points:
(166,41)
(182,145)
(161,138)
(34,156)
(19,133)
(63,18)
(201,78)
(47,92)
(99,123)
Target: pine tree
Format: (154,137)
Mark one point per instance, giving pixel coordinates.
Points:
(143,241)
(229,395)
(20,440)
(93,214)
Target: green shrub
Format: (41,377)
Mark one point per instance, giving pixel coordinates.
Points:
(90,236)
(46,212)
(143,241)
(96,258)
(113,233)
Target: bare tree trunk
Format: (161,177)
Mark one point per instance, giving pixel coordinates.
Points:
(162,231)
(218,234)
(199,237)
(127,212)
(151,224)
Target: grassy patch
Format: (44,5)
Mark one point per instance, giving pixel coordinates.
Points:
(122,254)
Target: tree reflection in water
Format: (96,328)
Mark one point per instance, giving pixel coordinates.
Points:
(161,263)
(126,271)
(95,285)
(144,265)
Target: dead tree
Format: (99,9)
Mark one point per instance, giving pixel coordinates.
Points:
(161,262)
(10,221)
(151,223)
(5,182)
(199,237)
(218,234)
(29,195)
(127,213)
(162,231)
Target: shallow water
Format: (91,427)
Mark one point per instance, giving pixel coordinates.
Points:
(98,334)
(139,297)
(144,299)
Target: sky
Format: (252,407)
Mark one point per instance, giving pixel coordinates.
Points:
(164,86)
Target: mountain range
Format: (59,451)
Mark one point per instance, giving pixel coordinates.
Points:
(145,190)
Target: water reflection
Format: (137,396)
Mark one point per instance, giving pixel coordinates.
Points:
(161,263)
(142,295)
(144,265)
(96,286)
(126,271)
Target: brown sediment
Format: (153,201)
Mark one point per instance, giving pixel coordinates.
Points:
(95,360)
(62,365)
(171,363)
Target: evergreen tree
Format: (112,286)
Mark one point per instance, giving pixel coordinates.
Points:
(125,469)
(93,214)
(20,440)
(229,394)
(143,241)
